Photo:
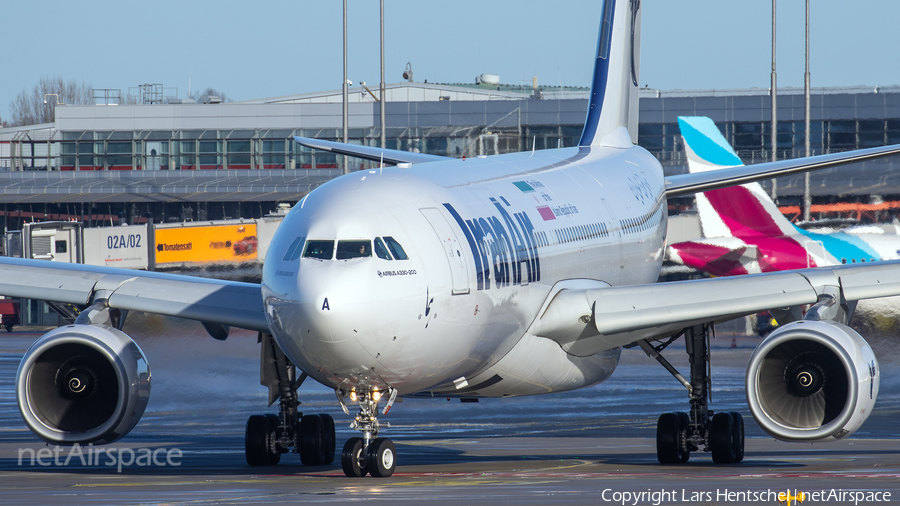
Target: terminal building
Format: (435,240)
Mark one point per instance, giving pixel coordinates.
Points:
(165,166)
(178,161)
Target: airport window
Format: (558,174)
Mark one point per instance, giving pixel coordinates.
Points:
(118,155)
(210,154)
(893,131)
(85,158)
(353,249)
(273,154)
(650,136)
(893,138)
(381,250)
(785,136)
(67,162)
(238,154)
(395,248)
(747,136)
(188,150)
(321,250)
(871,133)
(841,135)
(62,247)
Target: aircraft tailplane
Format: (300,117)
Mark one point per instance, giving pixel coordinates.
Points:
(614,91)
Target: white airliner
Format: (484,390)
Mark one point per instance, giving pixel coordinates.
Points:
(508,275)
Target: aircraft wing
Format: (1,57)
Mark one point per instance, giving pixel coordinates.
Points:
(206,300)
(390,156)
(687,184)
(587,321)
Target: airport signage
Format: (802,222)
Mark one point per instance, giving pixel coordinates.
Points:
(206,244)
(117,246)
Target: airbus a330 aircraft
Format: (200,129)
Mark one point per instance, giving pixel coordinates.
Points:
(508,275)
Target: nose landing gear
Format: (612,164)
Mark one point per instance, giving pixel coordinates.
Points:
(678,434)
(369,454)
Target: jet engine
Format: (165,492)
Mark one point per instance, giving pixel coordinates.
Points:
(83,384)
(812,381)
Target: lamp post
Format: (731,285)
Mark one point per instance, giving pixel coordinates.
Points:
(346,120)
(381,94)
(807,198)
(774,108)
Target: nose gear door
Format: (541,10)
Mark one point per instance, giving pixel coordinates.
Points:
(459,272)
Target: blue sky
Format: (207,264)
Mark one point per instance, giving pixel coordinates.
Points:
(265,49)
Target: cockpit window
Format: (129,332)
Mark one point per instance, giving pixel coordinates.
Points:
(395,248)
(353,249)
(381,250)
(322,250)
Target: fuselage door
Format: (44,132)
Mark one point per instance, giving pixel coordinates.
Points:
(452,249)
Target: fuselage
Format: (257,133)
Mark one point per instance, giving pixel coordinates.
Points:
(416,278)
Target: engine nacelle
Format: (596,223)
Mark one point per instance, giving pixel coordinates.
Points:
(83,384)
(811,381)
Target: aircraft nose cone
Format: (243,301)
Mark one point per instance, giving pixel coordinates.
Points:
(328,314)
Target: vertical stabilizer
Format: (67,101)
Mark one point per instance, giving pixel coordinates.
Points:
(614,91)
(737,211)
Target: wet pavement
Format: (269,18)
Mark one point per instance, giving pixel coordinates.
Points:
(591,446)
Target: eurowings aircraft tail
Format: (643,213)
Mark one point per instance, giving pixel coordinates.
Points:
(613,107)
(744,231)
(736,211)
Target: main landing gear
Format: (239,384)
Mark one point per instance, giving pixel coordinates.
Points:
(268,436)
(312,436)
(678,434)
(369,454)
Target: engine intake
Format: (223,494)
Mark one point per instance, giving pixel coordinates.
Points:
(83,384)
(812,380)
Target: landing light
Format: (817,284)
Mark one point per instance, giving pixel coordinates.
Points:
(376,395)
(352,395)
